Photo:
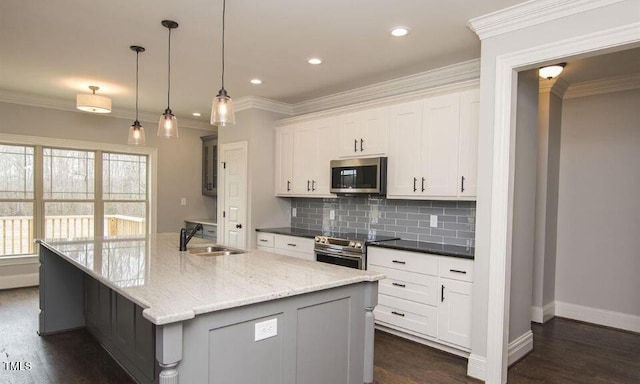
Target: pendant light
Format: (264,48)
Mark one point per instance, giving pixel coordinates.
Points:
(222,106)
(136,131)
(92,102)
(168,125)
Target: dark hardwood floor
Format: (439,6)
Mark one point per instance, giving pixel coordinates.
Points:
(565,351)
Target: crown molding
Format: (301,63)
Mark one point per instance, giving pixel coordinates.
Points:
(244,103)
(456,73)
(64,105)
(557,86)
(608,85)
(530,13)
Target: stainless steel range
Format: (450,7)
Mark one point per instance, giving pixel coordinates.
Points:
(347,249)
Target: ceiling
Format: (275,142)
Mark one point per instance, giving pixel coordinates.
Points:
(56,49)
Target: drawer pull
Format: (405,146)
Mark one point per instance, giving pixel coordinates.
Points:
(263,240)
(398,285)
(291,245)
(399,262)
(458,271)
(397,313)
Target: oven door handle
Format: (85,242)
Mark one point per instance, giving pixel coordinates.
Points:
(337,255)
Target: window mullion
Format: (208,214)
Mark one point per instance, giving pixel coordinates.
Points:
(38,175)
(98,210)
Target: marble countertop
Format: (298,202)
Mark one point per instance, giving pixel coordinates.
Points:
(174,286)
(432,248)
(202,221)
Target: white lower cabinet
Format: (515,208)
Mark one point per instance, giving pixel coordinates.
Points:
(425,296)
(293,246)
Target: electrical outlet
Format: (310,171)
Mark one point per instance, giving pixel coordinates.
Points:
(266,329)
(433,221)
(332,214)
(294,212)
(183,201)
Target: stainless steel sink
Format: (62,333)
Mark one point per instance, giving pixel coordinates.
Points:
(215,250)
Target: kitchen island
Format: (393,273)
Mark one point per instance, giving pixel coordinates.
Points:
(170,316)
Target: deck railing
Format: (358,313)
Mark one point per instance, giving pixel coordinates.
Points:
(16,232)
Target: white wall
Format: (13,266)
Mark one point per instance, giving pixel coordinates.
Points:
(598,252)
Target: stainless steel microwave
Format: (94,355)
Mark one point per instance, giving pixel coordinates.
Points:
(359,176)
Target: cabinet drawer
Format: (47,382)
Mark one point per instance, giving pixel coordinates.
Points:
(265,239)
(406,261)
(425,323)
(407,285)
(456,269)
(292,243)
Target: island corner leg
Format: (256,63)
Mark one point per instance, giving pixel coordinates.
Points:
(370,302)
(169,351)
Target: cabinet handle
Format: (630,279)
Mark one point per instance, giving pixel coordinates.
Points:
(398,313)
(291,244)
(263,240)
(462,185)
(458,271)
(414,184)
(442,293)
(361,145)
(423,180)
(399,262)
(308,188)
(313,185)
(355,145)
(399,285)
(288,185)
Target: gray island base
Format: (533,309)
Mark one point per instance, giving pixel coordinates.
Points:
(171,317)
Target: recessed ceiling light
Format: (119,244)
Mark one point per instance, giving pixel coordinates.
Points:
(399,31)
(314,61)
(255,81)
(197,114)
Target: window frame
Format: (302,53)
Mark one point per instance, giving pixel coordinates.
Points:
(99,148)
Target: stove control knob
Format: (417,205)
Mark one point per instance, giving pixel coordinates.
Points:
(358,245)
(321,239)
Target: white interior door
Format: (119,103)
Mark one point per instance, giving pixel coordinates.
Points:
(233,161)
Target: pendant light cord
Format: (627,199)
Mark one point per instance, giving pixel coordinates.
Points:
(169,72)
(137,56)
(224,7)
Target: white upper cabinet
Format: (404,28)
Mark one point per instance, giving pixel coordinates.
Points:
(363,133)
(432,146)
(284,160)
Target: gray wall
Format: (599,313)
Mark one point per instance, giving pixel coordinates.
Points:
(407,219)
(179,161)
(598,263)
(257,127)
(524,204)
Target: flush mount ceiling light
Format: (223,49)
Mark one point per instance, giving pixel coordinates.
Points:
(399,31)
(196,114)
(314,61)
(551,71)
(168,125)
(92,102)
(136,131)
(222,106)
(255,81)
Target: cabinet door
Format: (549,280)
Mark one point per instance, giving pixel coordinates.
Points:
(325,152)
(374,129)
(348,128)
(469,122)
(405,132)
(209,166)
(284,160)
(440,139)
(305,139)
(454,312)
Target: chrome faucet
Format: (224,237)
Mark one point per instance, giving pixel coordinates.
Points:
(185,237)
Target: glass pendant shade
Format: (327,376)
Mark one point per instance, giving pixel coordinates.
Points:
(168,125)
(136,134)
(222,110)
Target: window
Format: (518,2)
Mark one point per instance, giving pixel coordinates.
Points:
(54,192)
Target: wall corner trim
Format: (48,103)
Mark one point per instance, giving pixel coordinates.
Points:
(477,367)
(541,315)
(528,14)
(520,347)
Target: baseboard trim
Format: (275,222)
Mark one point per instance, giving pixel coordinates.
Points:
(541,315)
(520,347)
(598,316)
(19,281)
(477,367)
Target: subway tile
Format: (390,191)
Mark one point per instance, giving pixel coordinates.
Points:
(387,221)
(358,213)
(457,241)
(448,219)
(386,233)
(358,225)
(444,204)
(432,211)
(350,219)
(417,216)
(466,204)
(443,232)
(395,228)
(422,231)
(409,209)
(456,211)
(466,235)
(396,215)
(431,239)
(387,208)
(456,226)
(377,227)
(315,227)
(407,223)
(407,236)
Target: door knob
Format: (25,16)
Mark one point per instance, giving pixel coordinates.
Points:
(239,226)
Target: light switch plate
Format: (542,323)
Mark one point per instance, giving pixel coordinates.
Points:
(433,221)
(294,212)
(332,214)
(183,201)
(266,329)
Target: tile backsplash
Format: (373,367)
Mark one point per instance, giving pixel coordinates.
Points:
(407,219)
